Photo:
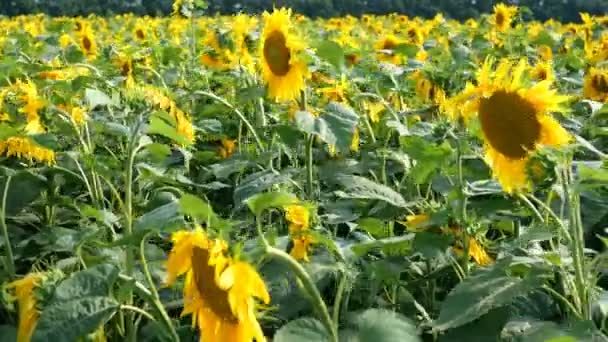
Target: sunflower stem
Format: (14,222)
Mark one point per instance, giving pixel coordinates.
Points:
(577,243)
(464,261)
(309,165)
(310,287)
(250,127)
(338,301)
(304,278)
(9,260)
(154,298)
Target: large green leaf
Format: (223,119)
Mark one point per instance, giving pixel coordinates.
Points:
(160,125)
(70,320)
(257,183)
(331,52)
(25,187)
(261,202)
(377,325)
(429,157)
(357,187)
(92,282)
(302,330)
(96,98)
(165,217)
(478,294)
(335,126)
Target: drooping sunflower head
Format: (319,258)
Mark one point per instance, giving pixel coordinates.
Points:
(282,69)
(514,119)
(24,292)
(595,86)
(218,291)
(503,16)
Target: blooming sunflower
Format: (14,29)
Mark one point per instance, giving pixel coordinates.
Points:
(87,43)
(26,148)
(595,86)
(386,46)
(219,291)
(26,299)
(282,69)
(514,119)
(543,71)
(503,16)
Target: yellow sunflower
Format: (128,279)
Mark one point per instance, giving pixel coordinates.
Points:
(514,119)
(282,69)
(227,148)
(88,46)
(503,16)
(543,71)
(26,299)
(386,46)
(219,291)
(26,148)
(298,218)
(595,86)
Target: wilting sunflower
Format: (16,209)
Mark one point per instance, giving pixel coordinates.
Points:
(219,291)
(26,148)
(514,119)
(503,16)
(24,290)
(227,148)
(596,85)
(282,69)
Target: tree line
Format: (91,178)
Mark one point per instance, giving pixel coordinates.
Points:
(564,10)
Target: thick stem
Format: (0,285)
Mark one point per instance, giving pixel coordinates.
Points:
(154,293)
(309,286)
(304,278)
(309,165)
(10,261)
(338,300)
(464,261)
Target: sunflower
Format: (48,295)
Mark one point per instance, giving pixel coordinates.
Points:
(503,16)
(88,46)
(543,71)
(219,291)
(386,46)
(596,85)
(514,119)
(282,69)
(545,52)
(227,148)
(26,148)
(32,104)
(298,217)
(374,110)
(139,32)
(26,299)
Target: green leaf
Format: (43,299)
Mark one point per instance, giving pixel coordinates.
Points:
(376,227)
(162,127)
(332,52)
(429,157)
(92,282)
(357,187)
(8,333)
(7,131)
(25,187)
(257,183)
(71,320)
(478,294)
(335,126)
(302,330)
(260,202)
(408,50)
(163,218)
(96,98)
(377,325)
(201,210)
(398,245)
(431,245)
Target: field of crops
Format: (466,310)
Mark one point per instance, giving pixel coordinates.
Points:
(281,178)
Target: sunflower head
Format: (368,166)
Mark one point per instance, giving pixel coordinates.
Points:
(503,16)
(595,86)
(543,71)
(514,119)
(219,291)
(282,69)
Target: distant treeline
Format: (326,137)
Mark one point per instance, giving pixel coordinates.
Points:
(564,10)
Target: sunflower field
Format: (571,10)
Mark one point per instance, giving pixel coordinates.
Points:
(280,178)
